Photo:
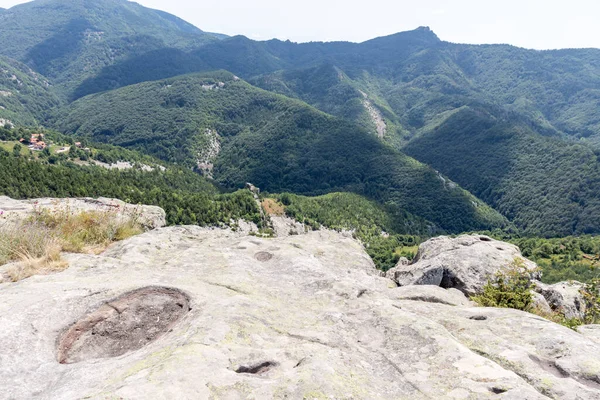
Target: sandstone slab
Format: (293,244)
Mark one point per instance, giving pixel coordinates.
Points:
(301,317)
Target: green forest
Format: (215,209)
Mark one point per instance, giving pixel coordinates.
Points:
(186,197)
(405,134)
(278,144)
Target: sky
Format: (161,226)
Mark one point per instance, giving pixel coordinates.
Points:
(535,24)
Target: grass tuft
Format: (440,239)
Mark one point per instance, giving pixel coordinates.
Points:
(34,245)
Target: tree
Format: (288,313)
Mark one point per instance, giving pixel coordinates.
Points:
(17,150)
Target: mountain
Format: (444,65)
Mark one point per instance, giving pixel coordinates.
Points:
(547,186)
(248,58)
(70,40)
(409,77)
(238,54)
(187,197)
(517,128)
(26,97)
(279,144)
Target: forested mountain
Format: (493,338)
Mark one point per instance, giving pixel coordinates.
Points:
(71,40)
(26,97)
(186,197)
(545,185)
(274,142)
(520,129)
(410,77)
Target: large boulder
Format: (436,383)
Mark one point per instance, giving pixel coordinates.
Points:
(464,263)
(193,313)
(151,217)
(564,298)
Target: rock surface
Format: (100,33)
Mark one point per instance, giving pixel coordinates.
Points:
(431,294)
(465,263)
(301,317)
(564,297)
(150,217)
(285,226)
(592,332)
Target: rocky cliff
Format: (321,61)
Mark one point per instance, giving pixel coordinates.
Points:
(193,313)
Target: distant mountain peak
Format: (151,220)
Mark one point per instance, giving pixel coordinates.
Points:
(421,36)
(422,32)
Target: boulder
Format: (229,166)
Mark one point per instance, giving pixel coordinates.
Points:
(564,298)
(464,263)
(431,294)
(151,217)
(541,304)
(285,226)
(403,261)
(194,313)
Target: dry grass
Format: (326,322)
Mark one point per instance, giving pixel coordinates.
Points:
(28,266)
(34,245)
(272,207)
(19,239)
(88,231)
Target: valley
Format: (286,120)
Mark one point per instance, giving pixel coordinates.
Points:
(191,215)
(438,137)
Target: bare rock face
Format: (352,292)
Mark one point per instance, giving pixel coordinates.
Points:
(193,313)
(564,298)
(464,263)
(150,217)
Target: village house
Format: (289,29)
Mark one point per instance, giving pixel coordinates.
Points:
(35,142)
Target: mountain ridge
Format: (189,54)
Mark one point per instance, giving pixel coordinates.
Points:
(279,144)
(69,40)
(402,90)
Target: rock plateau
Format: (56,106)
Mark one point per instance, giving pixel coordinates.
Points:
(193,313)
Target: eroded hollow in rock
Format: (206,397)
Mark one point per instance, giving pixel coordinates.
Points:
(257,369)
(124,324)
(449,280)
(263,256)
(478,318)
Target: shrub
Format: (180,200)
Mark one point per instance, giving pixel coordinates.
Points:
(28,266)
(510,289)
(24,240)
(591,295)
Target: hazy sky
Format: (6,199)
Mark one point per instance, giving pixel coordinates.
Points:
(538,24)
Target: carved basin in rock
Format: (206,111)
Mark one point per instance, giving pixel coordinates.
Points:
(124,324)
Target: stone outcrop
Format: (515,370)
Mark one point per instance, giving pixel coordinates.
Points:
(150,217)
(564,298)
(464,263)
(231,316)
